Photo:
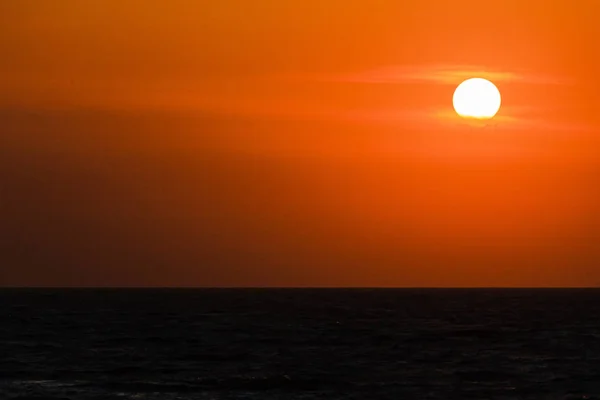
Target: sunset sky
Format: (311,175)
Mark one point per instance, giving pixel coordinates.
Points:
(298,143)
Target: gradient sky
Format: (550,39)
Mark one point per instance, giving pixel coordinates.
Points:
(297,143)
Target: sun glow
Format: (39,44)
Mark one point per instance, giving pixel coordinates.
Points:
(476,98)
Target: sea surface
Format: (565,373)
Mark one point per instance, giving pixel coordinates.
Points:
(299,344)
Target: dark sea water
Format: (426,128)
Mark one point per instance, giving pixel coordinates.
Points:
(299,344)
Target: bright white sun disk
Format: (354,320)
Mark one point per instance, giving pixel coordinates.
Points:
(476,98)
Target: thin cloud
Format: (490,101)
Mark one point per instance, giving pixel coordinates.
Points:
(514,118)
(444,74)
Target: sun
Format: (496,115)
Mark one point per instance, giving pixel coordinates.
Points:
(476,98)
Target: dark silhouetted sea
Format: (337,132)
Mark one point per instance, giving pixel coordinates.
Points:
(299,344)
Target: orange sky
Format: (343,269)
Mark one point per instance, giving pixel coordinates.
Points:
(297,143)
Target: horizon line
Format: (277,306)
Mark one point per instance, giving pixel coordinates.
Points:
(300,287)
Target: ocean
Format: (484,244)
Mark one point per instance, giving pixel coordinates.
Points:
(299,344)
